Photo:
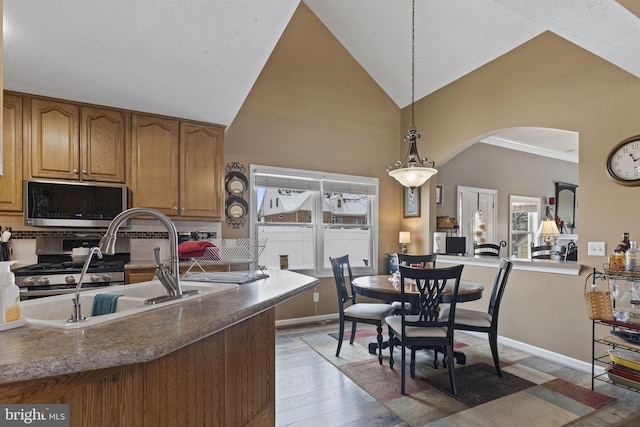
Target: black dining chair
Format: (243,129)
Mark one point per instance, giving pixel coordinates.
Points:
(488,249)
(425,261)
(425,329)
(542,252)
(485,321)
(356,312)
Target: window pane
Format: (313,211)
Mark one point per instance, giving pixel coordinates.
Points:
(284,205)
(352,241)
(346,231)
(296,241)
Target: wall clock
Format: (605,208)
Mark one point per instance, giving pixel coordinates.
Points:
(623,162)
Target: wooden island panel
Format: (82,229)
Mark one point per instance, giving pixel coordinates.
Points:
(225,379)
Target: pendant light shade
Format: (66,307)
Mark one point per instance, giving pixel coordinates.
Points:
(416,170)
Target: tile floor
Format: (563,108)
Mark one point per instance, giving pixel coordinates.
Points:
(310,391)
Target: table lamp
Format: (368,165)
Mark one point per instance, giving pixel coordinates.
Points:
(405,238)
(549,230)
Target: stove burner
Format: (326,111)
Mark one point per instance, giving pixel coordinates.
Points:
(69,266)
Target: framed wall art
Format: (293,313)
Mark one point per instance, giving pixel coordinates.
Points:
(411,202)
(439,194)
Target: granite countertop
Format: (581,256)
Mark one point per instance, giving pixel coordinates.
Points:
(34,351)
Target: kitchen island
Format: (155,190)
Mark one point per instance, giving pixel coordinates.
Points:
(206,361)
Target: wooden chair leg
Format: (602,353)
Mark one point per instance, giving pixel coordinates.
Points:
(340,334)
(412,365)
(353,331)
(451,367)
(493,343)
(379,329)
(391,343)
(402,373)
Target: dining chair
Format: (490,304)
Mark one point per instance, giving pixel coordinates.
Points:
(488,249)
(425,329)
(425,261)
(542,252)
(351,310)
(485,321)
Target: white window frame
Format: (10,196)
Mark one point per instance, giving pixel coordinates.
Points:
(320,180)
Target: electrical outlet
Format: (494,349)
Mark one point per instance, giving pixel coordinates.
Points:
(316,297)
(596,249)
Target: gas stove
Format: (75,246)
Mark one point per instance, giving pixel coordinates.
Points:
(55,273)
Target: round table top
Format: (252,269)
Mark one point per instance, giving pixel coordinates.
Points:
(380,287)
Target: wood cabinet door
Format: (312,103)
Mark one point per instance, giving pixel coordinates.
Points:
(201,170)
(54,139)
(154,163)
(102,148)
(11,179)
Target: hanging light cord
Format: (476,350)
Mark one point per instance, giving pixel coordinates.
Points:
(413,59)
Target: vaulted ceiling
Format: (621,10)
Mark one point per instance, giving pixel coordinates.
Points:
(200,58)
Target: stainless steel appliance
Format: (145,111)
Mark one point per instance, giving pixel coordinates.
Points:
(56,273)
(72,204)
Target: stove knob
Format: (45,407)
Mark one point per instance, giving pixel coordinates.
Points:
(95,278)
(106,277)
(29,281)
(70,279)
(43,281)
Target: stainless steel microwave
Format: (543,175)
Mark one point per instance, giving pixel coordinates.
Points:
(71,204)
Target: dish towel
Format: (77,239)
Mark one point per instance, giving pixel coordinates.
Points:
(104,304)
(194,248)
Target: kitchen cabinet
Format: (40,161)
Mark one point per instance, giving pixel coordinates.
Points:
(201,170)
(177,167)
(74,142)
(11,179)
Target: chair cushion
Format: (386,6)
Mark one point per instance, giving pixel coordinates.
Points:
(468,317)
(397,305)
(372,311)
(395,323)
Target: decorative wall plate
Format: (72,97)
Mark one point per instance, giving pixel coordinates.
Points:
(236,183)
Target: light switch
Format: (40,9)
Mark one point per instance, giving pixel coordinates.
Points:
(596,249)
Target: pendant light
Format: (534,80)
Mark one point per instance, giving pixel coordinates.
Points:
(415,171)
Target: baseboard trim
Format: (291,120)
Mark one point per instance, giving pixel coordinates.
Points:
(309,319)
(533,350)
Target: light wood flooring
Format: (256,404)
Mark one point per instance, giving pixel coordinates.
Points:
(310,391)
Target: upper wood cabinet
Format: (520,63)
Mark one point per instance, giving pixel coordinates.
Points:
(11,179)
(154,163)
(177,167)
(73,142)
(201,170)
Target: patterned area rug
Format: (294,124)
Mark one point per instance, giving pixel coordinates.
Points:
(524,396)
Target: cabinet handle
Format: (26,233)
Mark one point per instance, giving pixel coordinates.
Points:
(75,171)
(84,172)
(175,208)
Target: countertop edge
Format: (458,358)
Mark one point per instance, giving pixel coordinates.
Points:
(38,352)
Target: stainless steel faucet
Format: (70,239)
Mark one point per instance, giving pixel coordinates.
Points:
(171,279)
(77,315)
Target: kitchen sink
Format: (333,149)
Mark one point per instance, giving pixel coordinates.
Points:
(54,311)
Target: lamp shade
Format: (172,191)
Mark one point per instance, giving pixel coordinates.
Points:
(548,228)
(413,176)
(405,237)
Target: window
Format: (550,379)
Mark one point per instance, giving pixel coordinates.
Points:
(317,215)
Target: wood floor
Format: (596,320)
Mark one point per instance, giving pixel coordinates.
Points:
(312,392)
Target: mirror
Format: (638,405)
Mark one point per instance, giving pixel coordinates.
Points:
(566,207)
(524,220)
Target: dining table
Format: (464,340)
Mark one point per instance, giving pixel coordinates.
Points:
(385,288)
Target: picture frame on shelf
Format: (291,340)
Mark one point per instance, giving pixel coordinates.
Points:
(439,194)
(411,202)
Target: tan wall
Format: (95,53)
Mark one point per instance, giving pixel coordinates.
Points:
(313,107)
(547,82)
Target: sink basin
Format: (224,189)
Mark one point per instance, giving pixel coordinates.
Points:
(54,311)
